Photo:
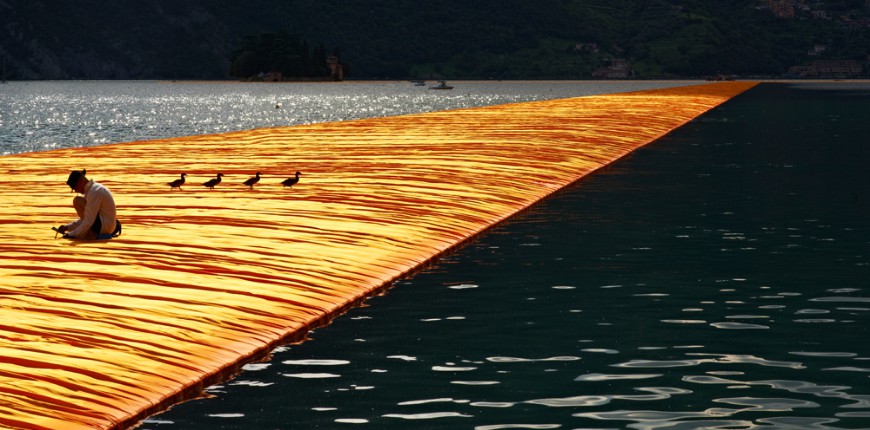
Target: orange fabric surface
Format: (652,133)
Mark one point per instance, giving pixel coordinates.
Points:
(100,334)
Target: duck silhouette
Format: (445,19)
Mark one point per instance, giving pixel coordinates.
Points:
(253,180)
(214,181)
(289,182)
(178,182)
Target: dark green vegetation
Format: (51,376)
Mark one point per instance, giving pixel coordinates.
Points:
(281,52)
(506,39)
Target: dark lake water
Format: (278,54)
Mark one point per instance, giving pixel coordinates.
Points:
(718,278)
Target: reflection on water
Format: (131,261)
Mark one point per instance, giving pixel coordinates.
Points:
(716,279)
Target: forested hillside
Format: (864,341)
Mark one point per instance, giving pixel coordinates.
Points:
(397,39)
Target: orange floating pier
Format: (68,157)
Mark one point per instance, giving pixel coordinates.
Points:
(98,335)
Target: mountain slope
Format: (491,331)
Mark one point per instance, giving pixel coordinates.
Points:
(168,39)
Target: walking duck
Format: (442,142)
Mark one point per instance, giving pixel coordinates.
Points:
(178,182)
(289,182)
(214,181)
(253,180)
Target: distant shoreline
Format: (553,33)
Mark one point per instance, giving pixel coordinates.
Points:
(493,81)
(468,81)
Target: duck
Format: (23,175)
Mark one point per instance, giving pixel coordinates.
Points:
(178,182)
(253,180)
(214,181)
(289,182)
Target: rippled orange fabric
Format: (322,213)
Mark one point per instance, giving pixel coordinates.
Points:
(100,334)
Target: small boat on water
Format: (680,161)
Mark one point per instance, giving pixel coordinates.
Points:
(419,83)
(442,85)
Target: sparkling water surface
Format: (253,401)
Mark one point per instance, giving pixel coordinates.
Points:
(39,116)
(715,279)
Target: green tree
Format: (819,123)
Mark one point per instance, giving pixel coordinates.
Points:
(281,52)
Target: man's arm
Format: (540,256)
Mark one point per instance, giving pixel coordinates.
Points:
(92,209)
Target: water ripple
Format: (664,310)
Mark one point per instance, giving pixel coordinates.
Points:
(452,369)
(738,326)
(313,362)
(756,404)
(841,299)
(463,286)
(656,393)
(824,354)
(311,375)
(596,377)
(426,401)
(493,404)
(530,360)
(519,426)
(727,358)
(427,416)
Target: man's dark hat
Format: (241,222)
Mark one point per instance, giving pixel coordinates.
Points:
(74,178)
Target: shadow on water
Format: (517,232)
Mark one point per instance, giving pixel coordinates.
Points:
(714,279)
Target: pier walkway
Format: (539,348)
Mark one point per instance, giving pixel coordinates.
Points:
(98,335)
